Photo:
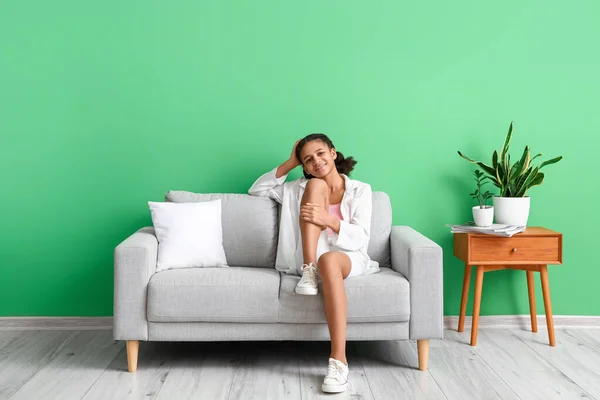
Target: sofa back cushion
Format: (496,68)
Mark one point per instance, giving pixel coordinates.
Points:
(250,226)
(381,228)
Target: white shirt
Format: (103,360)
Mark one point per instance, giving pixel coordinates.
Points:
(355,228)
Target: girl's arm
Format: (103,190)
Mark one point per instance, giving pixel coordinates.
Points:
(270,184)
(355,234)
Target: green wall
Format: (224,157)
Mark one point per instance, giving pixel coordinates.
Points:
(105,106)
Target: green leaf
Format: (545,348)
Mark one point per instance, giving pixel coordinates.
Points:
(508,170)
(498,178)
(506,141)
(521,180)
(501,180)
(535,182)
(536,156)
(527,182)
(521,165)
(526,161)
(489,170)
(514,171)
(523,176)
(495,159)
(500,173)
(554,160)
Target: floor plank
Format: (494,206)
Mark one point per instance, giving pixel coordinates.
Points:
(524,370)
(574,355)
(461,373)
(266,371)
(7,338)
(391,368)
(118,383)
(452,338)
(73,369)
(589,337)
(26,352)
(201,370)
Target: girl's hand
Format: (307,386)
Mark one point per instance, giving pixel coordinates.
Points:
(316,214)
(293,159)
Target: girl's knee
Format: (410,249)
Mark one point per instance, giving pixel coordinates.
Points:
(316,184)
(329,264)
(328,272)
(316,189)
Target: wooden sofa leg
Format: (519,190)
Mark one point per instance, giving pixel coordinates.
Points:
(132,354)
(423,353)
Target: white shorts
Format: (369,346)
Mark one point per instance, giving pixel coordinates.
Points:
(359,266)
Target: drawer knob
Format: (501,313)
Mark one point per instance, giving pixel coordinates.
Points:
(515,250)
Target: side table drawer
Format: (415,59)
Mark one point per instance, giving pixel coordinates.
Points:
(516,249)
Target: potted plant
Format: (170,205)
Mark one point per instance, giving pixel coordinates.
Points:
(512,205)
(482,214)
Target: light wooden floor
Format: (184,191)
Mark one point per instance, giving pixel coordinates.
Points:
(506,364)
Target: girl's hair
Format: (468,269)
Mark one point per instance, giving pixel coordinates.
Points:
(344,165)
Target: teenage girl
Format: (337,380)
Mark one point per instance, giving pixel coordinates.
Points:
(324,232)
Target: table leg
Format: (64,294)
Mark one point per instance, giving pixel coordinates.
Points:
(465,296)
(547,305)
(477,303)
(531,290)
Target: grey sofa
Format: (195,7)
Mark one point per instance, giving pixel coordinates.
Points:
(251,300)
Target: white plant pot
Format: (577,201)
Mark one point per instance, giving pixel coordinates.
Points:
(483,216)
(512,210)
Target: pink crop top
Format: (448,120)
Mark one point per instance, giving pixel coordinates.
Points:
(334,209)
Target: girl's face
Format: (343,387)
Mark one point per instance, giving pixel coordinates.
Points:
(317,158)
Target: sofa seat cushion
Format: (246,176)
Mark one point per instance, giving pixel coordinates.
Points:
(234,294)
(380,297)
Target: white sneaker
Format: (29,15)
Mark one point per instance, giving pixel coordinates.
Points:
(336,380)
(308,284)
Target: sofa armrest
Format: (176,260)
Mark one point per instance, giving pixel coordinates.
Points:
(135,263)
(420,260)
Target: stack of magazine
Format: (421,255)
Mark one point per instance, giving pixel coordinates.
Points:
(494,229)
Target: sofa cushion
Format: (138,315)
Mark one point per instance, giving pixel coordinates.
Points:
(381,228)
(250,226)
(189,234)
(235,294)
(380,297)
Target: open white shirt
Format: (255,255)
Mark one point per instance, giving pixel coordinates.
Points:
(355,228)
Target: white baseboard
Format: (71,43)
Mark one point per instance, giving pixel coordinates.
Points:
(450,322)
(524,321)
(56,323)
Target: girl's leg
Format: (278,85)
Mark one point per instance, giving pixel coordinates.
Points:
(334,267)
(317,192)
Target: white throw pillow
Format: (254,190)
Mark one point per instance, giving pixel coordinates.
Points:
(189,234)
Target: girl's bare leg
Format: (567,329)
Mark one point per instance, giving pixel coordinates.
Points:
(317,192)
(334,267)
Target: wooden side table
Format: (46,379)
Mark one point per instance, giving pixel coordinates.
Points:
(531,250)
